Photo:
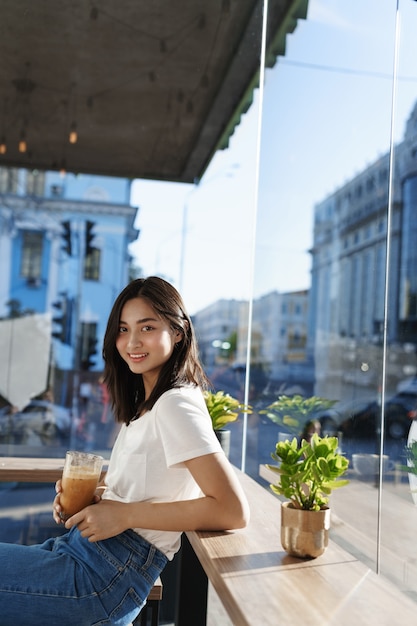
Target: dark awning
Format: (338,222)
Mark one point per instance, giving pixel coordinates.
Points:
(152,88)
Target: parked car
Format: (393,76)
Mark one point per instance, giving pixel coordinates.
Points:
(359,423)
(38,423)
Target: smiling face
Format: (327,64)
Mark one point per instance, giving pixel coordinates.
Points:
(145,340)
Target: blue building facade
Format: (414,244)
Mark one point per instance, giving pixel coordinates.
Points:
(64,252)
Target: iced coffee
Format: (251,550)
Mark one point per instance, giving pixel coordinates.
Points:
(80,477)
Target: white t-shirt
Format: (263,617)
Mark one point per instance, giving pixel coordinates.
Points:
(147,461)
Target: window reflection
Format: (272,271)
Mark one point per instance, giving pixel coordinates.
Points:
(328,220)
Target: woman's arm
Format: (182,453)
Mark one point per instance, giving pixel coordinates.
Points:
(222,507)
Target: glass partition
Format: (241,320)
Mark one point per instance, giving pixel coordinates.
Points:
(334,274)
(397,551)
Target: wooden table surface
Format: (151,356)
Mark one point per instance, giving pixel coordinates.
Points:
(31,470)
(258,583)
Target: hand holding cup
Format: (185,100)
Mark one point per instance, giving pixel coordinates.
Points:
(80,478)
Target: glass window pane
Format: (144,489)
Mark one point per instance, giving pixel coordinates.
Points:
(324,217)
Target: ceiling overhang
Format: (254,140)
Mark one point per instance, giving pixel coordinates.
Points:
(152,88)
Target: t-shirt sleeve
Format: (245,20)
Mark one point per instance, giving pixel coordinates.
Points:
(185,426)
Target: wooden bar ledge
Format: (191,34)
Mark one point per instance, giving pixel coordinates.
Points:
(259,583)
(32,469)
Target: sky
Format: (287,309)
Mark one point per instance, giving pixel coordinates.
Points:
(326,116)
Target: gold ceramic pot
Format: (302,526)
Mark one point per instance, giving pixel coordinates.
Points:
(304,533)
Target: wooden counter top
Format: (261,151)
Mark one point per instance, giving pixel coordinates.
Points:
(258,583)
(31,470)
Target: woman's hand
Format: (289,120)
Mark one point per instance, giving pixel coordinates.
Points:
(57,509)
(100,521)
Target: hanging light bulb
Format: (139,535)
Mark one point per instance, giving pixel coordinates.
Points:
(22,142)
(3,146)
(73,135)
(63,169)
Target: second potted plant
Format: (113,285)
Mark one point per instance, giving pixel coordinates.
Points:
(291,413)
(223,409)
(308,472)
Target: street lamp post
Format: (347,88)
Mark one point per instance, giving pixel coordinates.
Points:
(184,236)
(228,173)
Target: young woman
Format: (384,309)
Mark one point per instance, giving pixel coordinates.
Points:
(167,474)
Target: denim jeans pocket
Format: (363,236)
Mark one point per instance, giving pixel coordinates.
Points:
(125,611)
(137,565)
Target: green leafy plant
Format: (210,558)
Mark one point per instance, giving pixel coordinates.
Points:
(308,472)
(223,408)
(411,456)
(294,411)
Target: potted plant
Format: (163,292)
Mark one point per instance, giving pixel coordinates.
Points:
(292,412)
(223,409)
(308,472)
(411,467)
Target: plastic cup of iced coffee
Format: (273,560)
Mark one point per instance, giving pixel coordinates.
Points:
(80,477)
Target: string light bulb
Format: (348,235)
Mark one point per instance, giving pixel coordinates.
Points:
(73,135)
(3,146)
(22,142)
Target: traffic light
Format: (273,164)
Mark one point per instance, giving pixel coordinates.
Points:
(89,350)
(59,321)
(89,237)
(63,321)
(66,236)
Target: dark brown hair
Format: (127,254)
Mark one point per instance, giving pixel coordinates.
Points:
(183,367)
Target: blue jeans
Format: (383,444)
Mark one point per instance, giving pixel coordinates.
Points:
(69,581)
